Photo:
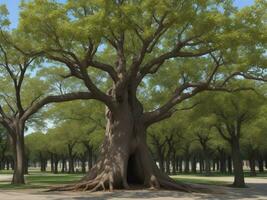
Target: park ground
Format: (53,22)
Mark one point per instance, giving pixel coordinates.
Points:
(37,184)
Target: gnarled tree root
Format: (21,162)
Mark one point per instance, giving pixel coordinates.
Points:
(104,182)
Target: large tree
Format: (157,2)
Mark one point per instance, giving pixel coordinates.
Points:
(22,94)
(181,48)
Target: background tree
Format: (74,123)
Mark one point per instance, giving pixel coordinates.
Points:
(232,112)
(38,145)
(4,147)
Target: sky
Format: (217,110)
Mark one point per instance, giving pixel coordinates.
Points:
(13,7)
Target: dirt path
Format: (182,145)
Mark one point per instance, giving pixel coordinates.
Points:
(257,190)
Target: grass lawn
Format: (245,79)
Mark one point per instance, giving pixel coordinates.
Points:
(218,174)
(199,181)
(36,179)
(42,180)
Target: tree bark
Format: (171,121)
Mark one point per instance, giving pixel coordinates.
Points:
(229,165)
(19,160)
(252,165)
(261,164)
(194,165)
(90,157)
(43,162)
(52,162)
(71,159)
(207,165)
(55,164)
(201,165)
(125,158)
(63,165)
(222,161)
(180,166)
(239,180)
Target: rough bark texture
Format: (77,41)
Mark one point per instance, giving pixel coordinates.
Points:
(239,180)
(17,142)
(125,159)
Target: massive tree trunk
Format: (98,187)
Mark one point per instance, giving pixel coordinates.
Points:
(125,159)
(239,180)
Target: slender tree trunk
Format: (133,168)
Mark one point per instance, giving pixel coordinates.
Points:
(71,159)
(213,165)
(2,164)
(229,165)
(42,162)
(186,168)
(261,164)
(180,165)
(13,164)
(173,162)
(168,170)
(207,164)
(71,165)
(63,165)
(217,165)
(55,164)
(239,180)
(90,157)
(194,165)
(26,169)
(19,161)
(7,164)
(222,162)
(52,162)
(161,163)
(173,166)
(252,165)
(83,165)
(201,165)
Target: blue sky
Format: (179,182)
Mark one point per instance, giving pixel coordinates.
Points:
(13,7)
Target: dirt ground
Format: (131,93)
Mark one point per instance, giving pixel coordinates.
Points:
(257,189)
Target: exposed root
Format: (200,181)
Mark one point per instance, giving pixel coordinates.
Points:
(170,184)
(104,183)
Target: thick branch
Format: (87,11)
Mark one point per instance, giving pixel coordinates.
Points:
(56,99)
(105,67)
(146,69)
(220,130)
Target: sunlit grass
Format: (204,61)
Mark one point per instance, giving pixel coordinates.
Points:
(42,180)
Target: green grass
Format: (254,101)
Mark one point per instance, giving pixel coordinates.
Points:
(42,180)
(38,180)
(200,181)
(6,172)
(218,174)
